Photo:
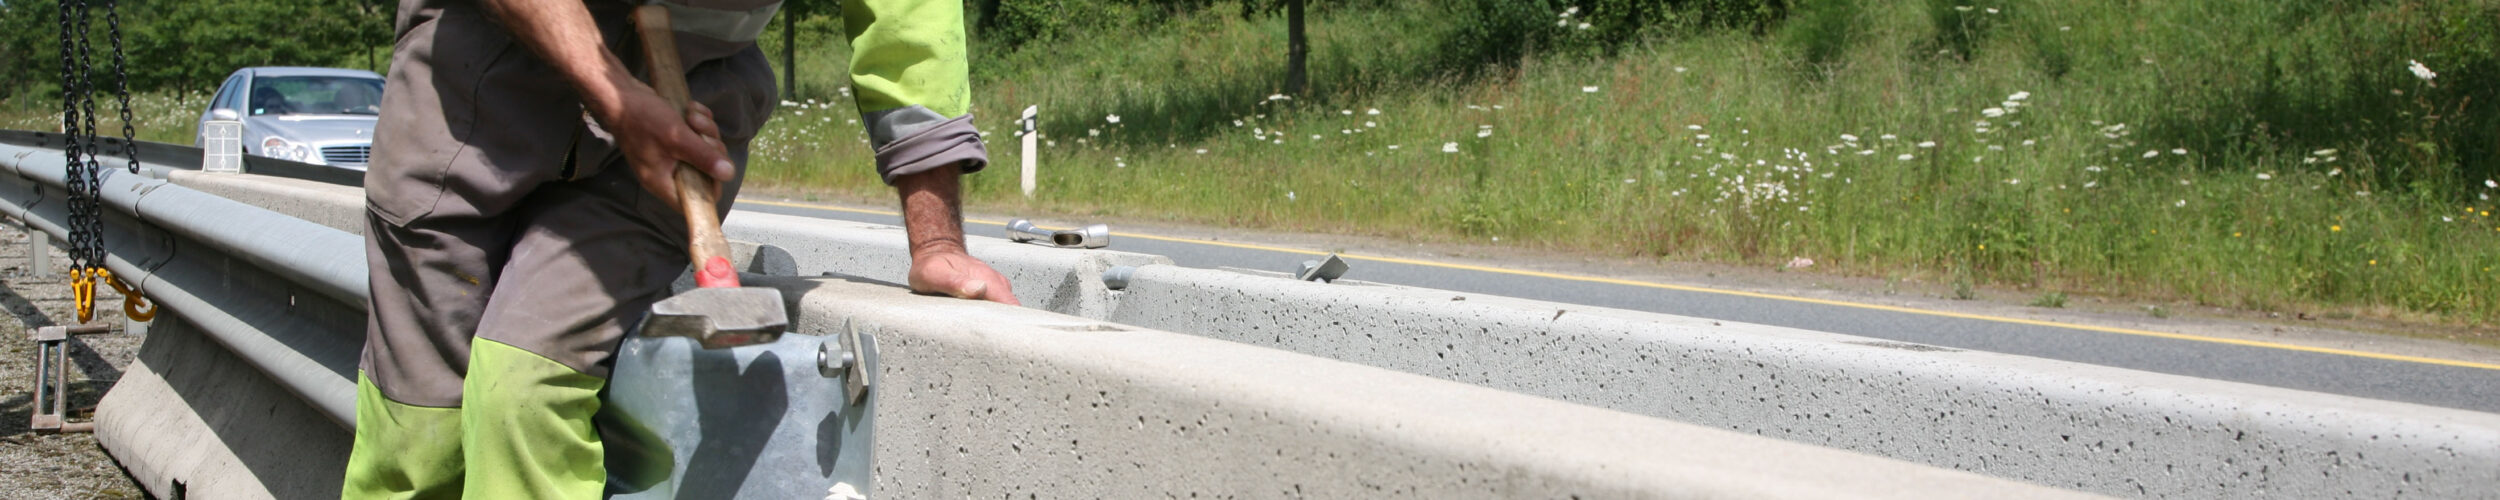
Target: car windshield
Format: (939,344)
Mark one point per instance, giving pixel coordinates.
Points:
(316,95)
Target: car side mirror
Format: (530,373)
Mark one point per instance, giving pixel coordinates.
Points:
(224,115)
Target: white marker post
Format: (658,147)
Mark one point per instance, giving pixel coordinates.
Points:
(1031,150)
(221,141)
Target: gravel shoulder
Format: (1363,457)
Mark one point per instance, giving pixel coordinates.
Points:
(41,465)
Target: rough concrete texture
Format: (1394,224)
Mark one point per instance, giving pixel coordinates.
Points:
(978,400)
(336,206)
(1064,280)
(2056,423)
(191,420)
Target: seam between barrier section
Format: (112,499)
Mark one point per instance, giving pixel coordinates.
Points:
(1739,293)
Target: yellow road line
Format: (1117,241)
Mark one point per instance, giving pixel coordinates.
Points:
(1827,302)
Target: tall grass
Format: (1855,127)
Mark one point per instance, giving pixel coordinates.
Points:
(2238,153)
(2225,153)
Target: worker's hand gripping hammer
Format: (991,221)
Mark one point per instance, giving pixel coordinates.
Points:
(718,313)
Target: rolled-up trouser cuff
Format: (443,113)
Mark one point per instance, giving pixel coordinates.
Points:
(951,142)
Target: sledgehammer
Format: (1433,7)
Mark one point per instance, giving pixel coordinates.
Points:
(717,313)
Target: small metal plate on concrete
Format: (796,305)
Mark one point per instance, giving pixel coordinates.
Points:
(756,421)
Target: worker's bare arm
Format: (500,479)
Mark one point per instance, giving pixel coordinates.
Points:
(653,136)
(933,221)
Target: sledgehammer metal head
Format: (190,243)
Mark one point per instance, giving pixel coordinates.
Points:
(720,317)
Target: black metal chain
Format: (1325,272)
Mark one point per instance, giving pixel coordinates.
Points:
(82,173)
(121,83)
(86,212)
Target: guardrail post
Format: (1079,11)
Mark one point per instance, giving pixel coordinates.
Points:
(39,251)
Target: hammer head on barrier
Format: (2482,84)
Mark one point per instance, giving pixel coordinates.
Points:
(720,317)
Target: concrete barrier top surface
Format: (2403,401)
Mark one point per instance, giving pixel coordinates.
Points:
(1048,403)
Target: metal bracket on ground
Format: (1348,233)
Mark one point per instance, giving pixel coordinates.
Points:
(1327,271)
(52,378)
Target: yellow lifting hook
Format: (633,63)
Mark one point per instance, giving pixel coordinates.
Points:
(82,284)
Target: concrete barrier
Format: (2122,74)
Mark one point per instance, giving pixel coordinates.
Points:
(2089,427)
(2100,429)
(979,400)
(191,420)
(1035,402)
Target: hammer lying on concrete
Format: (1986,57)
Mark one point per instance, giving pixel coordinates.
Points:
(717,313)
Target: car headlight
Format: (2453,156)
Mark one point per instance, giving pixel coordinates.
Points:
(280,148)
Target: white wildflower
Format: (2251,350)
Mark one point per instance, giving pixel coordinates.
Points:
(1449,147)
(1093,132)
(1926,144)
(1202,150)
(2180,204)
(1679,69)
(1483,133)
(1592,89)
(1888,137)
(2179,151)
(1112,118)
(2491,184)
(1279,97)
(1865,152)
(1372,111)
(2152,153)
(1849,138)
(1702,136)
(2322,152)
(2091,184)
(1906,157)
(2265,176)
(1692,127)
(1346,112)
(1289,196)
(1370,124)
(1992,112)
(2028,142)
(2337,171)
(2423,72)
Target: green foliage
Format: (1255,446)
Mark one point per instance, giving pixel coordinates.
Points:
(2050,300)
(192,45)
(1961,25)
(1499,32)
(1822,32)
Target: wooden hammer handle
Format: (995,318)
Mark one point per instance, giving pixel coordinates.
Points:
(696,193)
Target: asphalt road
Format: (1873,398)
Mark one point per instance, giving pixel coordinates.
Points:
(2423,381)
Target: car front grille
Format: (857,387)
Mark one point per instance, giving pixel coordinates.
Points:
(346,155)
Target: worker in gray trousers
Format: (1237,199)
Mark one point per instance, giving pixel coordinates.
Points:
(519,216)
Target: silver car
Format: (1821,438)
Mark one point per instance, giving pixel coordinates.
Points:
(321,116)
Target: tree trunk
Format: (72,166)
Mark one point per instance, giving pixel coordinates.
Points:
(789,57)
(1297,49)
